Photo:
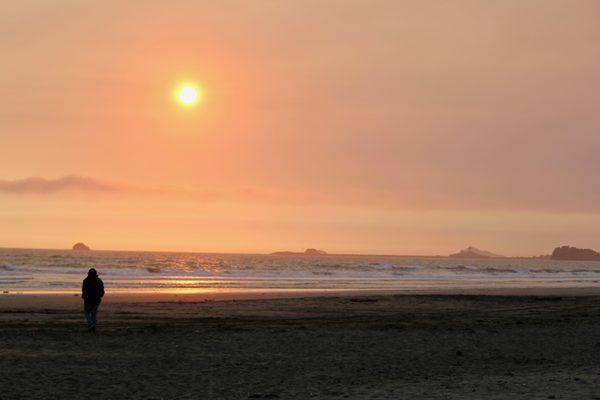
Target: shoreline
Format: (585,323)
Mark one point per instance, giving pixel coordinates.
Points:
(29,300)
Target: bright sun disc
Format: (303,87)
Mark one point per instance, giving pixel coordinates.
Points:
(188,95)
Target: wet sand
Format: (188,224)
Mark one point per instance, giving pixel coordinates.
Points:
(356,346)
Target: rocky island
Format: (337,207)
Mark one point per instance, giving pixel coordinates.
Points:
(574,254)
(80,247)
(307,252)
(473,252)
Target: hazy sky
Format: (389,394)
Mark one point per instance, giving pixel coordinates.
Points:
(415,127)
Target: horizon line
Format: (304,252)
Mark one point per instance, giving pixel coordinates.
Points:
(271,253)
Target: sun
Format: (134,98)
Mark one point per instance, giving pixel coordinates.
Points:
(187,94)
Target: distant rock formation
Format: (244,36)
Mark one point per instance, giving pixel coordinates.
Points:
(314,252)
(575,254)
(307,252)
(473,252)
(80,247)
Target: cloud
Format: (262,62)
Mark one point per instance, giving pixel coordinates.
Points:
(39,185)
(468,195)
(87,185)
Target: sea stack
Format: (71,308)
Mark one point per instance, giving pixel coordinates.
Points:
(80,247)
(473,252)
(307,252)
(314,252)
(574,254)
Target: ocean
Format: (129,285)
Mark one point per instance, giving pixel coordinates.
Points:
(61,271)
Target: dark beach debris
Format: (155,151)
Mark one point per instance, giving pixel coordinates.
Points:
(364,300)
(549,298)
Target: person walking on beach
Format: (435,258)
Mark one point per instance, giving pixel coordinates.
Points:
(92,292)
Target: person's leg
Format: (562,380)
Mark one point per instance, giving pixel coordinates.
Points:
(87,314)
(94,311)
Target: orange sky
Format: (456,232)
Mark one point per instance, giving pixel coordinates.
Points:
(397,127)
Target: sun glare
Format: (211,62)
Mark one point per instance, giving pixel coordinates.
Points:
(188,94)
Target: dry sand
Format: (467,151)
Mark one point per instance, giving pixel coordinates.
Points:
(356,347)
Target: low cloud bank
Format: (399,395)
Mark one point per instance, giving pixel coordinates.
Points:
(66,183)
(87,185)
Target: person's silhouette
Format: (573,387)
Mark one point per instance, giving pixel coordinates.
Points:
(92,292)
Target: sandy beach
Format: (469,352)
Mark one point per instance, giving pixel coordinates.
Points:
(328,347)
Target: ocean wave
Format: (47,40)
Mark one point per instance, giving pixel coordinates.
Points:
(381,270)
(4,267)
(394,267)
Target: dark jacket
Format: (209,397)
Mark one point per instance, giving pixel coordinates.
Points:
(92,289)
